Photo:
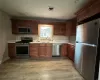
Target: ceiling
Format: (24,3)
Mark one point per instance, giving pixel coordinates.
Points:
(63,9)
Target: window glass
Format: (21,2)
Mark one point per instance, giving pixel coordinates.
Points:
(45,31)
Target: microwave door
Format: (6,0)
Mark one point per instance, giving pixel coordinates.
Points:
(22,30)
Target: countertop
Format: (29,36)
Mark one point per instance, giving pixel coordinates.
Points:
(13,41)
(53,42)
(48,42)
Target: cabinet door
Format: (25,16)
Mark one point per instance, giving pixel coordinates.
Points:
(89,10)
(49,50)
(42,51)
(34,50)
(14,27)
(68,28)
(59,29)
(71,27)
(71,51)
(24,23)
(34,27)
(56,29)
(62,30)
(64,50)
(11,50)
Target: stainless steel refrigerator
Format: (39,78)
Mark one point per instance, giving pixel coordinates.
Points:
(86,50)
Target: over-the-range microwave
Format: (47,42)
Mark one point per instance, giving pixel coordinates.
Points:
(24,30)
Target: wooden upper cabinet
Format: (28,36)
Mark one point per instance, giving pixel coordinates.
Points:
(11,50)
(90,9)
(34,27)
(59,28)
(14,27)
(71,27)
(68,28)
(24,23)
(74,25)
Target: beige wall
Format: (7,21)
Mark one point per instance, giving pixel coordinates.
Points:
(5,35)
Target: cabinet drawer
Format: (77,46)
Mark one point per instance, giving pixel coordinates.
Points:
(11,50)
(34,51)
(49,44)
(42,44)
(33,48)
(34,45)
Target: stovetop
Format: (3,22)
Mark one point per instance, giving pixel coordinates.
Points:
(22,42)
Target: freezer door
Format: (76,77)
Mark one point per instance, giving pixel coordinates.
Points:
(78,57)
(88,32)
(79,33)
(89,61)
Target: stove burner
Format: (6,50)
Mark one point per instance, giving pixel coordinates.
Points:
(24,40)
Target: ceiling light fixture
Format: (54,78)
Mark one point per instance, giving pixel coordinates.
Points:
(76,1)
(51,8)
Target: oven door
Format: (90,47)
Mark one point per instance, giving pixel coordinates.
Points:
(22,49)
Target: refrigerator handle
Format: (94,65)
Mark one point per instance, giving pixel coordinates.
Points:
(77,42)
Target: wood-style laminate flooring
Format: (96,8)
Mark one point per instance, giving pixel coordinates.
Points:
(29,69)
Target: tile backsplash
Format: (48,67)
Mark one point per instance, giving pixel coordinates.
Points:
(35,37)
(72,39)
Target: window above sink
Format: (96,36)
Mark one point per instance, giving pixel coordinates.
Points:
(45,31)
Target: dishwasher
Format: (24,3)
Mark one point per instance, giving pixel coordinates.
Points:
(56,50)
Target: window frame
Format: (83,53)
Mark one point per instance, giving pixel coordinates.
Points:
(45,25)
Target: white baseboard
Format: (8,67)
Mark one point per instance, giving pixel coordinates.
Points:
(5,59)
(0,62)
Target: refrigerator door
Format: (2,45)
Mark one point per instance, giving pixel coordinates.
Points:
(78,57)
(99,72)
(89,61)
(88,32)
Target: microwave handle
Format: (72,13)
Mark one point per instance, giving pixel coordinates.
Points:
(29,30)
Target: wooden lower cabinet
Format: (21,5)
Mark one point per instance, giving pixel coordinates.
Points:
(64,50)
(33,50)
(11,50)
(48,50)
(41,50)
(71,51)
(45,50)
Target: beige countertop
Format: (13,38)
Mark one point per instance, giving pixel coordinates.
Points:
(59,42)
(71,43)
(47,42)
(13,41)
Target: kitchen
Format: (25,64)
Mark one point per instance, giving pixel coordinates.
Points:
(47,41)
(56,38)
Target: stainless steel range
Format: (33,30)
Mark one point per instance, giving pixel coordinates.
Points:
(22,47)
